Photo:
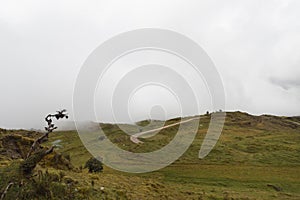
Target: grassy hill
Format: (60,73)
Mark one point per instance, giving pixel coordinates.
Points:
(256,157)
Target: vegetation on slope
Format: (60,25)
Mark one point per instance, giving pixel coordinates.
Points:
(256,157)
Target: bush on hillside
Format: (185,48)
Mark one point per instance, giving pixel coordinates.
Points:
(94,165)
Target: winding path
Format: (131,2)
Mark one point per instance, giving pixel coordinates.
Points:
(297,123)
(134,138)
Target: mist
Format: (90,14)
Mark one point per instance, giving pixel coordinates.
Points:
(254,44)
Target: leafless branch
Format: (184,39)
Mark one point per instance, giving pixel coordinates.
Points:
(6,190)
(50,128)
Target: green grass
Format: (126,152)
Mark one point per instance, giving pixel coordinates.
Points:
(252,153)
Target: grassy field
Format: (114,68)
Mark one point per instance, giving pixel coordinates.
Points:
(256,157)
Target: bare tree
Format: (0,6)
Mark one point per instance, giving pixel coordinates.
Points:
(33,159)
(50,128)
(36,152)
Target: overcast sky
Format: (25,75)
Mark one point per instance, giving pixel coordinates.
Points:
(254,44)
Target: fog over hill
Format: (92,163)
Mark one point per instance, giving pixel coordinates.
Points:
(254,45)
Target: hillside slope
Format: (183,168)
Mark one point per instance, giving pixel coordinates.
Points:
(256,157)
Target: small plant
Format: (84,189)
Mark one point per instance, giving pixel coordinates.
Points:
(94,165)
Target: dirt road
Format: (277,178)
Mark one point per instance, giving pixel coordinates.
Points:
(134,138)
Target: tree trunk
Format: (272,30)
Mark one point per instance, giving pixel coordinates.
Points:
(30,163)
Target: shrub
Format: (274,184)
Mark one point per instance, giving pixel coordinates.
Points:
(94,165)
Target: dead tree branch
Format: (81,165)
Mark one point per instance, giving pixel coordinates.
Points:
(50,128)
(29,164)
(6,190)
(33,159)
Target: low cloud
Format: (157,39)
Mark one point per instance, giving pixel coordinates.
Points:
(286,84)
(254,44)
